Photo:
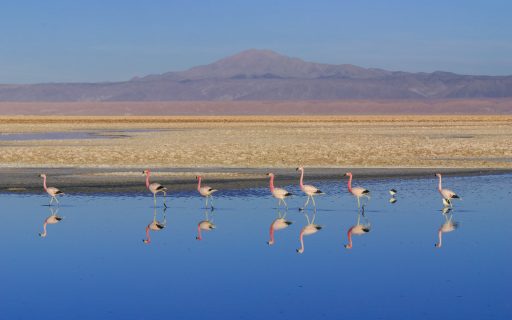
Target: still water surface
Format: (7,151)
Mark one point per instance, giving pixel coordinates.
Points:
(94,263)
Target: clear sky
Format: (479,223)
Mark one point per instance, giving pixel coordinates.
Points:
(91,40)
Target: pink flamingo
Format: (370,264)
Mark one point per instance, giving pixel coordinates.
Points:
(447,194)
(448,226)
(155,187)
(52,219)
(357,229)
(278,224)
(278,193)
(155,225)
(357,192)
(205,191)
(309,190)
(310,228)
(52,191)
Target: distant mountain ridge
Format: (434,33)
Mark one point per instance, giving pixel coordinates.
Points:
(266,75)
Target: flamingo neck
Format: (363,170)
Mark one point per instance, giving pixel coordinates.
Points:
(44,183)
(199,237)
(302,178)
(440,235)
(44,230)
(349,235)
(148,237)
(302,241)
(147,180)
(199,184)
(349,183)
(440,187)
(271,241)
(271,183)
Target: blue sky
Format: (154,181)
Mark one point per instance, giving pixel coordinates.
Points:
(54,41)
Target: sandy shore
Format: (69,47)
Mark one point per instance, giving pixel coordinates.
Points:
(243,148)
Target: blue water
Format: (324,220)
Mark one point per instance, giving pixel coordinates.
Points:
(94,265)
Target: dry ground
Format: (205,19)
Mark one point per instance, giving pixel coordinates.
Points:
(264,141)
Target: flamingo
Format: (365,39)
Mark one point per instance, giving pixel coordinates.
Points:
(308,189)
(278,224)
(155,187)
(205,191)
(357,192)
(307,230)
(155,225)
(448,226)
(447,194)
(52,191)
(357,229)
(206,225)
(278,193)
(52,219)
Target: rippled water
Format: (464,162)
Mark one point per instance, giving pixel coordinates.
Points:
(93,264)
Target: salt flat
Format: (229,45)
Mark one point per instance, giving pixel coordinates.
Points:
(217,143)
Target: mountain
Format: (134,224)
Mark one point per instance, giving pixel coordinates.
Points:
(265,75)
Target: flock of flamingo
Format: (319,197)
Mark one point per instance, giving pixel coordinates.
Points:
(280,194)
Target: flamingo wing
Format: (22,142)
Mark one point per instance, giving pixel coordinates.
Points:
(449,226)
(449,194)
(157,187)
(358,191)
(206,190)
(281,193)
(53,191)
(281,223)
(310,190)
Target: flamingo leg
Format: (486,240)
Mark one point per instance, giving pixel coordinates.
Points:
(154,199)
(211,201)
(51,201)
(313,199)
(57,200)
(306,204)
(165,199)
(285,205)
(358,202)
(206,202)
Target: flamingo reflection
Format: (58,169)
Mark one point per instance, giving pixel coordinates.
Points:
(359,228)
(204,225)
(449,225)
(155,225)
(307,230)
(278,224)
(53,218)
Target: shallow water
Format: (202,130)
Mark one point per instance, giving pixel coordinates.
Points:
(93,264)
(72,135)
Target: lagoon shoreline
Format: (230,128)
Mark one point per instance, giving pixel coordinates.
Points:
(131,180)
